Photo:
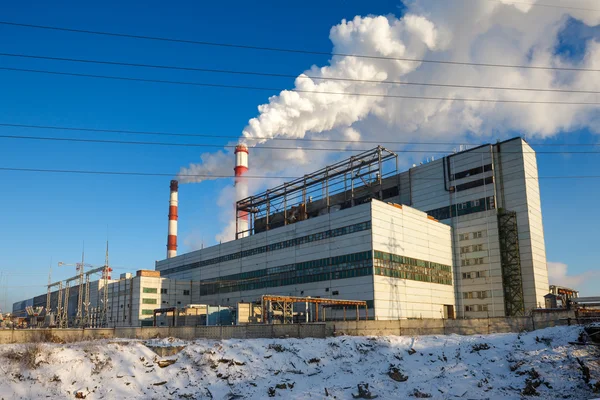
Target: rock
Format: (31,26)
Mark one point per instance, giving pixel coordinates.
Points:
(396,374)
(166,363)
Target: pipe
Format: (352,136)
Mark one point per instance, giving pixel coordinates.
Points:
(172,236)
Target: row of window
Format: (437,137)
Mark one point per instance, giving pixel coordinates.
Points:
(162,291)
(474,274)
(395,273)
(470,207)
(472,248)
(340,267)
(473,184)
(471,261)
(397,259)
(471,172)
(397,266)
(346,230)
(476,295)
(476,307)
(470,235)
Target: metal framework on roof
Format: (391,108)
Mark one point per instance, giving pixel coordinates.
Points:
(341,185)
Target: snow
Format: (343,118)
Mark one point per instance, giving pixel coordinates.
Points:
(466,367)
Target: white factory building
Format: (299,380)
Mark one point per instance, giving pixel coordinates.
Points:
(396,258)
(487,198)
(457,237)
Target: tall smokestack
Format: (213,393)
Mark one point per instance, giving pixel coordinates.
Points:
(241,187)
(172,238)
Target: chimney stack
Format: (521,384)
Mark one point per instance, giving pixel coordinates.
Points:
(172,238)
(241,188)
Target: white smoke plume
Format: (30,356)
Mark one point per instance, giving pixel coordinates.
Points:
(493,32)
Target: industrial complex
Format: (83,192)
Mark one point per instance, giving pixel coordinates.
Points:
(457,237)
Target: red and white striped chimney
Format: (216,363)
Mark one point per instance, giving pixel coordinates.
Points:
(241,187)
(172,238)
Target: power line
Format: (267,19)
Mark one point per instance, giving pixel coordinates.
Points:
(104,141)
(287,50)
(92,172)
(271,89)
(162,133)
(303,76)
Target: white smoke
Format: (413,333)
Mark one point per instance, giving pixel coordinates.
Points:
(465,30)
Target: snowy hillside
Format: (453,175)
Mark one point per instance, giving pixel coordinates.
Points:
(440,367)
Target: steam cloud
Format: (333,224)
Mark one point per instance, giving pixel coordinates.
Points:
(473,31)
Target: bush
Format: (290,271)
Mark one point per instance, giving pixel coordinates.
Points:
(28,356)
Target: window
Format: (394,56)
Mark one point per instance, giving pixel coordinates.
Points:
(483,307)
(465,249)
(477,235)
(149,290)
(186,292)
(475,203)
(147,312)
(477,247)
(462,206)
(463,236)
(335,292)
(469,308)
(467,295)
(149,301)
(163,291)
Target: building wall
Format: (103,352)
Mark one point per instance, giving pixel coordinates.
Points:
(410,233)
(280,258)
(403,232)
(508,178)
(132,301)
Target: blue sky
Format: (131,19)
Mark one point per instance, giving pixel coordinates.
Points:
(48,216)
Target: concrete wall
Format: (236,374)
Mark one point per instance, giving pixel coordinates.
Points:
(475,326)
(317,330)
(405,327)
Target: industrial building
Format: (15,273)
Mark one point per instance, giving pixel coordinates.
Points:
(461,236)
(488,196)
(131,301)
(396,258)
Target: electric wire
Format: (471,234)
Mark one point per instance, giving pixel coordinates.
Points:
(163,133)
(302,76)
(207,145)
(217,176)
(286,50)
(271,89)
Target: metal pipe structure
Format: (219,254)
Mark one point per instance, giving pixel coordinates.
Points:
(324,190)
(172,235)
(241,189)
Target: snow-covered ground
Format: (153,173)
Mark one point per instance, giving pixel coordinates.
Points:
(443,367)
